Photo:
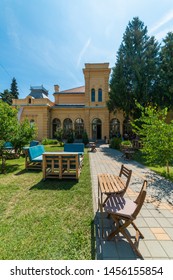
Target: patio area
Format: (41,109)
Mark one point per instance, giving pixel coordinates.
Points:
(155,219)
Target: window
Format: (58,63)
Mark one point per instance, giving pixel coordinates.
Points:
(56,124)
(67,127)
(29,100)
(79,128)
(114,128)
(32,123)
(127,129)
(93,95)
(99,95)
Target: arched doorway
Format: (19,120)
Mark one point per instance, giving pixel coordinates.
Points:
(56,124)
(96,129)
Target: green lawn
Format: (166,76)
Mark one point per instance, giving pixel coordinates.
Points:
(45,220)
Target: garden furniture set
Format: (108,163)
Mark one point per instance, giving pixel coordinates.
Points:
(61,165)
(112,200)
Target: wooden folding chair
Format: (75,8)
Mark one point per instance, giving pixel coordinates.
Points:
(124,211)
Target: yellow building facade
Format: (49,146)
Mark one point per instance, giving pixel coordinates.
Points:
(77,109)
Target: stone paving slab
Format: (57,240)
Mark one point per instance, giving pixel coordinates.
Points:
(155,219)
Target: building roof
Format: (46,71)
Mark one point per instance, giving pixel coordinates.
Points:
(38,92)
(76,90)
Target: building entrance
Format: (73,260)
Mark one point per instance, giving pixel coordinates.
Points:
(97,129)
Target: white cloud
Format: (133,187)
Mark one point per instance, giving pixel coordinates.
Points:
(83,51)
(160,35)
(168,17)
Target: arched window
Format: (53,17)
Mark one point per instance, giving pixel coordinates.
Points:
(96,129)
(67,127)
(32,122)
(114,128)
(56,124)
(127,129)
(99,95)
(79,128)
(92,95)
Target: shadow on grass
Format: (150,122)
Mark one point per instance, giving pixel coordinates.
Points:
(93,241)
(25,171)
(54,184)
(10,168)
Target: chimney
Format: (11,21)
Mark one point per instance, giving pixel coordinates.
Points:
(56,88)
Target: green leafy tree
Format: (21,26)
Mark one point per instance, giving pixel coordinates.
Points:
(166,72)
(135,73)
(156,135)
(19,134)
(6,96)
(24,133)
(14,89)
(8,121)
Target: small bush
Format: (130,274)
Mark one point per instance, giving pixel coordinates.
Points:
(70,137)
(59,134)
(85,139)
(126,143)
(115,143)
(46,141)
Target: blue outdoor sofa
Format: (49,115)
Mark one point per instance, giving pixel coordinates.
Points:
(76,148)
(34,157)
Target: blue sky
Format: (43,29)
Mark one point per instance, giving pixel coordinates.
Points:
(47,42)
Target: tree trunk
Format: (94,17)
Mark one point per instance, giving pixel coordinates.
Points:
(167,168)
(3,164)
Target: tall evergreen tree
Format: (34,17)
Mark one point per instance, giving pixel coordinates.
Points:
(14,89)
(136,70)
(7,96)
(166,72)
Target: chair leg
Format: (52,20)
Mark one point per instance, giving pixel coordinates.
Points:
(137,230)
(121,227)
(134,245)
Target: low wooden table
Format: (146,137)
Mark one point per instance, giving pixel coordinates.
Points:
(61,165)
(108,184)
(92,146)
(128,154)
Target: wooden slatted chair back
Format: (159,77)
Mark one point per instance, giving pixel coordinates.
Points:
(140,199)
(124,171)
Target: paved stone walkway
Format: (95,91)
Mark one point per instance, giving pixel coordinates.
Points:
(155,219)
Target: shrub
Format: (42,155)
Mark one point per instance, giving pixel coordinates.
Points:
(126,143)
(70,137)
(115,143)
(85,139)
(59,134)
(47,141)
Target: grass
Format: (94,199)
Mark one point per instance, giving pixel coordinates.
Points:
(45,220)
(161,170)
